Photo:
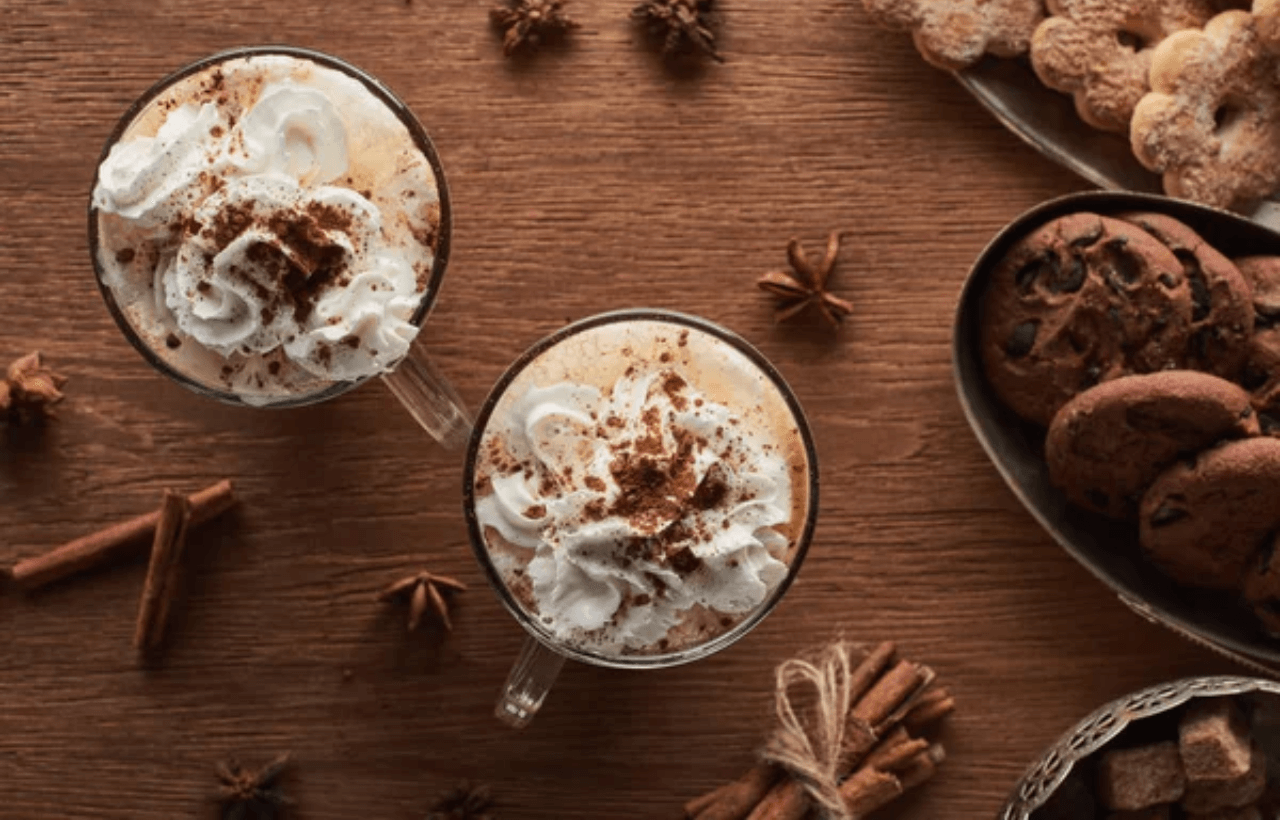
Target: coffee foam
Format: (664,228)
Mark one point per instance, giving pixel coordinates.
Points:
(382,164)
(760,451)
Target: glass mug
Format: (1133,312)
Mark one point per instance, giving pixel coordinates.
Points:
(640,489)
(269,226)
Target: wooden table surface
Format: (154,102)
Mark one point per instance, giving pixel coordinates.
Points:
(585,179)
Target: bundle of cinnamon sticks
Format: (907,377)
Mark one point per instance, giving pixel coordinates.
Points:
(883,750)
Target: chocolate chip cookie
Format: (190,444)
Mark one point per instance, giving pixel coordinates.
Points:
(1203,521)
(1262,586)
(1262,371)
(1109,443)
(1221,299)
(1081,300)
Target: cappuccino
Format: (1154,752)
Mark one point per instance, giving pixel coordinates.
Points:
(641,487)
(267,226)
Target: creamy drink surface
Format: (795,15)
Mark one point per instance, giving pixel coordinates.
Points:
(641,487)
(268,227)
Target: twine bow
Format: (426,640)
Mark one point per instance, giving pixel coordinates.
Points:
(813,699)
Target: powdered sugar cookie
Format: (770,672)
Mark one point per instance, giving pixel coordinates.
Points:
(952,34)
(1100,51)
(1211,123)
(1267,20)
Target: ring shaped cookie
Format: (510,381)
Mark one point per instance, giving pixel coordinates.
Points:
(1211,122)
(953,34)
(1100,51)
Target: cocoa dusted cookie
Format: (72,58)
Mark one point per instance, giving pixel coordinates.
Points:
(1261,585)
(1262,372)
(1204,521)
(1221,298)
(1078,301)
(1109,443)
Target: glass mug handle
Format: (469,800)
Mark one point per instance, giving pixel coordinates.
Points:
(430,399)
(528,683)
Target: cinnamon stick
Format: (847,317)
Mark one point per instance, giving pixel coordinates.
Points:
(117,540)
(785,801)
(868,716)
(162,572)
(932,706)
(870,669)
(897,751)
(869,789)
(734,801)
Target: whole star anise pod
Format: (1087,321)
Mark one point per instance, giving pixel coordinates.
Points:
(465,802)
(527,23)
(252,795)
(681,25)
(806,284)
(423,589)
(29,389)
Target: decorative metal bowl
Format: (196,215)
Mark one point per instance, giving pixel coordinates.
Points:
(1047,774)
(1107,548)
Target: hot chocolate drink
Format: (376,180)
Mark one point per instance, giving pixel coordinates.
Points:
(641,487)
(267,226)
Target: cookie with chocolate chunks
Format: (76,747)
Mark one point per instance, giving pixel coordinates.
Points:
(1078,301)
(1261,586)
(1203,521)
(1221,298)
(1262,370)
(1109,443)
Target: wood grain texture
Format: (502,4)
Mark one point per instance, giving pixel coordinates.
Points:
(583,180)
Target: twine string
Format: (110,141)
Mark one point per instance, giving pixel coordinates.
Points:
(812,699)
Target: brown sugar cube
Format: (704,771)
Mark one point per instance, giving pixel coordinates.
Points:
(1234,813)
(1164,811)
(1213,739)
(1142,777)
(1203,796)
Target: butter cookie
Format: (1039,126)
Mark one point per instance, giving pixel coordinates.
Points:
(1211,121)
(953,34)
(1100,51)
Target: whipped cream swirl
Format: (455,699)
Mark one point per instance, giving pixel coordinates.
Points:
(152,180)
(639,505)
(263,248)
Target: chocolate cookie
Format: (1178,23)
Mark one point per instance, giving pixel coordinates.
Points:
(1262,371)
(1108,444)
(1221,299)
(1203,521)
(1262,586)
(1078,301)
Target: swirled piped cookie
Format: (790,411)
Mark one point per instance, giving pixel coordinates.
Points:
(1100,51)
(1211,122)
(953,34)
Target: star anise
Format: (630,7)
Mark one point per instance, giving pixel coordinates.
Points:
(807,283)
(29,390)
(527,23)
(424,590)
(681,25)
(465,802)
(252,795)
